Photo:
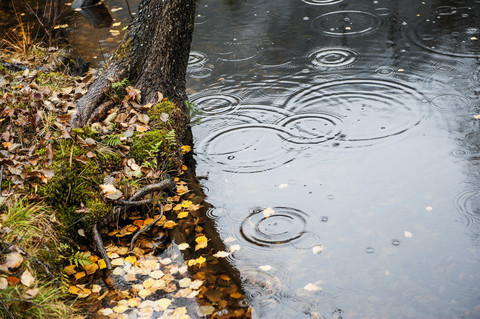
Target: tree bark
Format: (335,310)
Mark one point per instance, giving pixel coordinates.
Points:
(153,55)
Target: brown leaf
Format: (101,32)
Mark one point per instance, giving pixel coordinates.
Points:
(49,153)
(82,159)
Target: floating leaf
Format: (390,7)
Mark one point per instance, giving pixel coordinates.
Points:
(312,287)
(407,234)
(221,254)
(267,212)
(317,249)
(183,246)
(265,267)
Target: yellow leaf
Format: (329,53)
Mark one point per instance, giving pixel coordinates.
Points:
(177,207)
(236,295)
(79,275)
(131,259)
(167,207)
(182,215)
(169,224)
(102,264)
(69,270)
(90,269)
(201,260)
(93,258)
(201,239)
(200,246)
(477,117)
(181,189)
(74,290)
(186,203)
(186,149)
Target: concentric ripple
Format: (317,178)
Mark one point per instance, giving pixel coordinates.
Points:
(196,58)
(321,2)
(468,203)
(284,226)
(452,32)
(311,128)
(333,57)
(248,148)
(450,102)
(369,110)
(341,23)
(216,103)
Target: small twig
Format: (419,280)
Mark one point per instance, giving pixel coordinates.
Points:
(150,189)
(6,309)
(129,11)
(1,180)
(144,229)
(134,203)
(100,247)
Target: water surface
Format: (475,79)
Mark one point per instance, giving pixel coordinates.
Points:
(339,149)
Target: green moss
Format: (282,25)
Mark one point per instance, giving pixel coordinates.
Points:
(123,50)
(52,79)
(150,146)
(156,110)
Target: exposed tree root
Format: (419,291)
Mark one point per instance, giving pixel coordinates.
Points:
(144,229)
(152,188)
(100,246)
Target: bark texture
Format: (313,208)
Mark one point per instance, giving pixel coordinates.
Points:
(153,55)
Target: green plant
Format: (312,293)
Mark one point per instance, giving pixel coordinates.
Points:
(193,113)
(118,88)
(112,140)
(79,258)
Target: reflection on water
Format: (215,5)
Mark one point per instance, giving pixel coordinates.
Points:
(348,126)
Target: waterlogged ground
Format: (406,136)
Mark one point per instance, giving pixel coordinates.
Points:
(338,145)
(339,149)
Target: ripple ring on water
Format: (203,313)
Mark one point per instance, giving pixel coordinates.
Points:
(284,226)
(216,103)
(333,57)
(247,148)
(342,23)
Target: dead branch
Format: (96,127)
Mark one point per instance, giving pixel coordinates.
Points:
(144,229)
(134,203)
(151,188)
(100,246)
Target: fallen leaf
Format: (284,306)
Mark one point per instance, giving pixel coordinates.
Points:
(31,293)
(317,249)
(182,215)
(265,267)
(312,287)
(13,260)
(3,283)
(221,254)
(407,234)
(267,212)
(234,248)
(183,246)
(27,279)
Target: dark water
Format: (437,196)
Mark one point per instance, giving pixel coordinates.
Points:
(353,121)
(339,148)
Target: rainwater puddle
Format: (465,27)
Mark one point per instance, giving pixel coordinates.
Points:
(342,155)
(339,149)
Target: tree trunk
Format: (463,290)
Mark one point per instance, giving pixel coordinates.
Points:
(153,56)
